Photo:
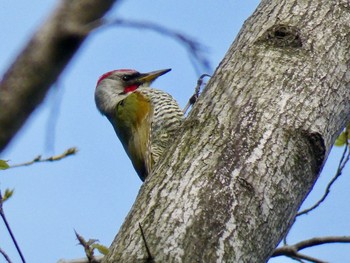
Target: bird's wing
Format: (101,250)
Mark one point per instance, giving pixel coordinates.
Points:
(133,116)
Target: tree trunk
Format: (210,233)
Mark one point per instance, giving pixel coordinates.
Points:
(38,66)
(253,146)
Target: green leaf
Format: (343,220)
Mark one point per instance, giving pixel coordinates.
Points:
(101,248)
(341,140)
(8,194)
(3,165)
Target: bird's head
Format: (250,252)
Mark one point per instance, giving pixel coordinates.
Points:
(114,86)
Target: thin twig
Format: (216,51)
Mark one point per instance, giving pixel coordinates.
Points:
(39,159)
(2,214)
(89,248)
(54,111)
(194,48)
(292,251)
(149,255)
(89,251)
(285,237)
(97,259)
(299,257)
(195,96)
(316,241)
(7,258)
(343,161)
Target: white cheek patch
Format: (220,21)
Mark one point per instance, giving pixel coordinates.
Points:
(107,95)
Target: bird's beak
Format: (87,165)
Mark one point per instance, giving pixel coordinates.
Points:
(151,76)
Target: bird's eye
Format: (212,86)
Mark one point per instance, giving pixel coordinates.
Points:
(126,77)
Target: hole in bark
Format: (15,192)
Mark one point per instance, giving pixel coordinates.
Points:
(318,148)
(282,36)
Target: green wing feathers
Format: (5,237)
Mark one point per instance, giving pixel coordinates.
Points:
(133,116)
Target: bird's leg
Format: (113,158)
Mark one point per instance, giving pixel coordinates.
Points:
(195,96)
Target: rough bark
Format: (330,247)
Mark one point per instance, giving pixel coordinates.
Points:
(253,146)
(38,66)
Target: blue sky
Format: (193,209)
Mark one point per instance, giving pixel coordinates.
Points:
(93,191)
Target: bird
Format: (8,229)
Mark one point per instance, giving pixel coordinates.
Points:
(145,119)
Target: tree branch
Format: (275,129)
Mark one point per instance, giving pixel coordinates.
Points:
(293,250)
(26,82)
(7,258)
(3,216)
(299,257)
(38,159)
(195,96)
(81,260)
(194,48)
(343,161)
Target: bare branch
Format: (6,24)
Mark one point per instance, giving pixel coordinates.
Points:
(195,96)
(38,66)
(7,258)
(316,241)
(292,251)
(3,216)
(97,259)
(38,159)
(299,257)
(194,48)
(343,161)
(54,111)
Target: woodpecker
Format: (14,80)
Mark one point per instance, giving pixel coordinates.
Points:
(145,119)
